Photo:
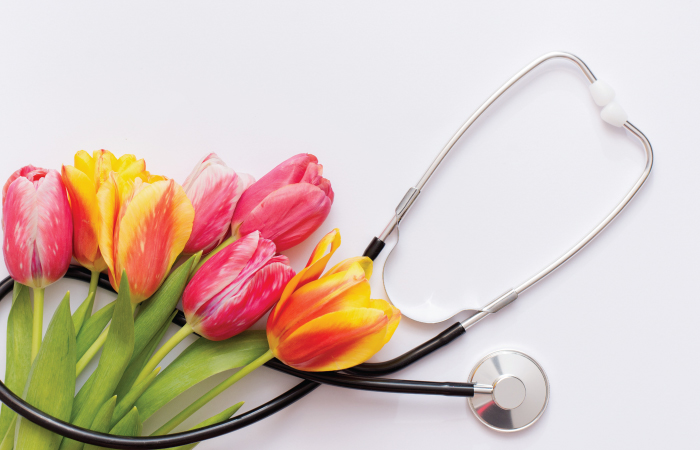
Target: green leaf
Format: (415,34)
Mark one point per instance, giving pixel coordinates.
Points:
(83,393)
(103,420)
(51,382)
(128,401)
(92,328)
(156,310)
(17,289)
(130,425)
(83,312)
(114,360)
(137,364)
(226,414)
(199,361)
(19,349)
(8,442)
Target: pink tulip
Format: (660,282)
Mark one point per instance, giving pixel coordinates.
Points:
(235,287)
(214,190)
(287,204)
(37,225)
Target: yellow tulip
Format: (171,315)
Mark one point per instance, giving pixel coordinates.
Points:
(82,182)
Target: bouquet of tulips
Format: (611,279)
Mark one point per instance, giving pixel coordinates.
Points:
(213,243)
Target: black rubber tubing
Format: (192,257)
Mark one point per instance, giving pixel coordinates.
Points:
(261,412)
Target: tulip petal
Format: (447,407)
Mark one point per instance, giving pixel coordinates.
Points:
(290,171)
(125,161)
(229,316)
(104,163)
(313,174)
(262,256)
(86,221)
(328,243)
(316,264)
(84,163)
(213,196)
(219,271)
(331,293)
(108,202)
(334,341)
(391,312)
(54,244)
(23,172)
(131,170)
(364,262)
(325,186)
(208,160)
(21,222)
(288,215)
(151,234)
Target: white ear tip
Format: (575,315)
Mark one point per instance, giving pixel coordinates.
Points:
(614,114)
(601,92)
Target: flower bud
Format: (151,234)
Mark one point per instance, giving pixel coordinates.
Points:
(235,287)
(287,204)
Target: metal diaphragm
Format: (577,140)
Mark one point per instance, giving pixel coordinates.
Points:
(520,391)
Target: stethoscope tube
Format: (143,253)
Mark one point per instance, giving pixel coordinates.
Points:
(355,378)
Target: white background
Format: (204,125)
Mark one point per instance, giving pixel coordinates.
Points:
(374,90)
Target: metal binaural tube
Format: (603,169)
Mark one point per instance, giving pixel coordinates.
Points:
(511,295)
(446,149)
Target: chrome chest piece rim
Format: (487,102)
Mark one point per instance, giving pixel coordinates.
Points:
(520,391)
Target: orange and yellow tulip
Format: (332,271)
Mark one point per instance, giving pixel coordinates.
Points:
(82,182)
(330,322)
(143,224)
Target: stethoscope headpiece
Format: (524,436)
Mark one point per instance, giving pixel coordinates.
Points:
(518,395)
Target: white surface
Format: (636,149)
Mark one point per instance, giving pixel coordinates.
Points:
(375,91)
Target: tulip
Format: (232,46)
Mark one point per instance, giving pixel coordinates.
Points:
(83,181)
(330,322)
(37,228)
(231,292)
(287,204)
(236,287)
(214,190)
(320,323)
(144,225)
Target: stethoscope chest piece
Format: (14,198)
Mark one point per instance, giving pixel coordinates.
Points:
(520,391)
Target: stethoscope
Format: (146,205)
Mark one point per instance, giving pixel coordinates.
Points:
(507,390)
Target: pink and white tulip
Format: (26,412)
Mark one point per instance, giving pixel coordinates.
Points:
(236,287)
(287,204)
(37,226)
(214,190)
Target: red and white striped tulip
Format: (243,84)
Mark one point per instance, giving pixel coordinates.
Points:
(287,204)
(235,287)
(214,190)
(37,226)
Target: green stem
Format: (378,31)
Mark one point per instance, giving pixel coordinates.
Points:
(158,356)
(220,247)
(94,278)
(84,311)
(203,400)
(91,352)
(95,347)
(38,320)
